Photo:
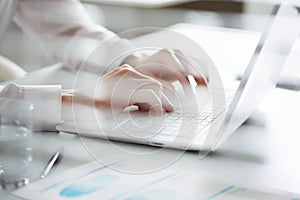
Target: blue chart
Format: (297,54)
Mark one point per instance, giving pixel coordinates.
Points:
(74,178)
(221,192)
(238,193)
(145,192)
(92,182)
(87,186)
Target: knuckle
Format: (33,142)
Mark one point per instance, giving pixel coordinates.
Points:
(125,66)
(164,52)
(125,69)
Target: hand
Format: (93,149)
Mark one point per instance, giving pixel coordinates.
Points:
(124,87)
(166,66)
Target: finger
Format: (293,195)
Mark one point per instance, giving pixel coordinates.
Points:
(183,81)
(175,63)
(168,68)
(116,71)
(166,103)
(125,71)
(143,107)
(170,62)
(198,78)
(179,73)
(167,87)
(168,106)
(167,57)
(149,97)
(201,81)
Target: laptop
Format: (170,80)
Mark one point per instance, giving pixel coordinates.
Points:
(204,129)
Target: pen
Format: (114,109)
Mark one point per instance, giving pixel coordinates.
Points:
(52,162)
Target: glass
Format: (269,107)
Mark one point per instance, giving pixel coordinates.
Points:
(15,142)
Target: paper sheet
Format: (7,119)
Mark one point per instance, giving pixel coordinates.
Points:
(95,181)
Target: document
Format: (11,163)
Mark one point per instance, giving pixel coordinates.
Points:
(96,181)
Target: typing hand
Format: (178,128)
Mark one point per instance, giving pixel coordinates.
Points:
(166,66)
(121,88)
(125,86)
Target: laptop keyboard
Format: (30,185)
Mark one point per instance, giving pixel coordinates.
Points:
(179,123)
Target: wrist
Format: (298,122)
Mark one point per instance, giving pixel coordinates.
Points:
(70,96)
(67,95)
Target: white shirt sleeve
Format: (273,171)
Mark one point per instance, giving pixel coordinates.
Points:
(46,100)
(66,32)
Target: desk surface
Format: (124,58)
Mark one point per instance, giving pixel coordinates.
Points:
(262,153)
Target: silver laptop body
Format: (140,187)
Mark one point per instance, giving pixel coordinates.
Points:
(206,130)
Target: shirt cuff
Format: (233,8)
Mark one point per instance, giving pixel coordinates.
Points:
(47,102)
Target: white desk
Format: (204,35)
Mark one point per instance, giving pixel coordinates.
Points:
(261,153)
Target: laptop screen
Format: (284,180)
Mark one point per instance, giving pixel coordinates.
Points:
(262,72)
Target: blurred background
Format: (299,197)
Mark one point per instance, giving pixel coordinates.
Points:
(120,15)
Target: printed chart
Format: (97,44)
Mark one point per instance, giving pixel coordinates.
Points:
(94,181)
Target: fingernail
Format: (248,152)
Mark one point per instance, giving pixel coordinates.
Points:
(169,108)
(159,112)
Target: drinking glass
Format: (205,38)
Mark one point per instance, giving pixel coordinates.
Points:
(15,142)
